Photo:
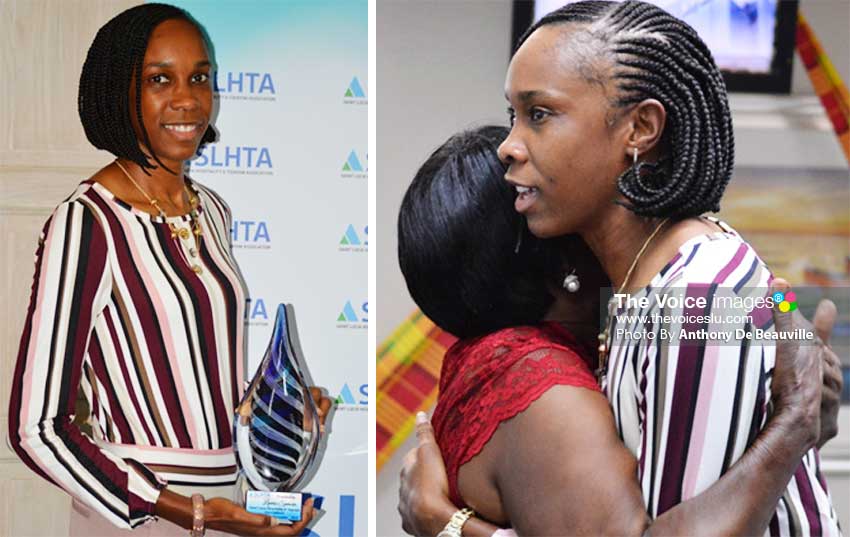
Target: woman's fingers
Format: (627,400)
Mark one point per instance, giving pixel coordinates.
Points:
(824,320)
(832,370)
(253,519)
(232,518)
(783,320)
(323,404)
(307,513)
(424,431)
(324,408)
(316,394)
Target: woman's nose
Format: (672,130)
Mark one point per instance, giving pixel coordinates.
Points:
(512,150)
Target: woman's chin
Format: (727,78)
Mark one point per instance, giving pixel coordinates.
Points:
(174,159)
(543,229)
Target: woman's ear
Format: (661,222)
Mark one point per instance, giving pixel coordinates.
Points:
(647,120)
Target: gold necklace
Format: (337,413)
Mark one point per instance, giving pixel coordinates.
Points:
(181,232)
(604,337)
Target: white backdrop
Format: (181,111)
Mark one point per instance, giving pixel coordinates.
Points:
(291,162)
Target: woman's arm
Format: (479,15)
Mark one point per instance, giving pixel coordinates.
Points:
(223,515)
(71,280)
(766,467)
(581,479)
(833,381)
(424,489)
(562,470)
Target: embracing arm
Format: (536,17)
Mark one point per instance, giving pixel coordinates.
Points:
(833,381)
(583,447)
(423,493)
(606,470)
(581,479)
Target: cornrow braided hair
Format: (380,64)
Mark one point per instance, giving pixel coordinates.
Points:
(114,60)
(654,55)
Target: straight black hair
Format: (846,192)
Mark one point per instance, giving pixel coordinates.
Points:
(468,259)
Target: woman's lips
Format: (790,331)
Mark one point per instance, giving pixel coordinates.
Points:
(183,131)
(526,196)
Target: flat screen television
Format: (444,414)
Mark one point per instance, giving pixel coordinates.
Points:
(752,41)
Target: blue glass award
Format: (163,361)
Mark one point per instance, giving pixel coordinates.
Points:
(276,431)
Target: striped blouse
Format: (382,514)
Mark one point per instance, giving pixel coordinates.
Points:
(688,404)
(118,314)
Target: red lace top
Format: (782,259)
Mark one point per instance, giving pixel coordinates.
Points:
(490,379)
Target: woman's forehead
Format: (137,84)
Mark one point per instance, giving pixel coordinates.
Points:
(556,58)
(176,35)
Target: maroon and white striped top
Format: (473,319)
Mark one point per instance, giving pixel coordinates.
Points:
(688,407)
(157,349)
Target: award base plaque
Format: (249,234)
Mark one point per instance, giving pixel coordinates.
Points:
(281,505)
(276,430)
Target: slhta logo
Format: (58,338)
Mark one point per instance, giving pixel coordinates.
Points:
(352,163)
(354,167)
(347,397)
(354,93)
(233,158)
(255,311)
(244,83)
(351,241)
(349,318)
(250,234)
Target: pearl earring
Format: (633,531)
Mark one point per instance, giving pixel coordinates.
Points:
(571,282)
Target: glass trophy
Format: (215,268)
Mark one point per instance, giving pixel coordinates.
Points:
(276,431)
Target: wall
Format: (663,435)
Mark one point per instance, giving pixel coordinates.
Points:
(43,156)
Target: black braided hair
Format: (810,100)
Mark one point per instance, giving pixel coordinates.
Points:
(115,56)
(654,55)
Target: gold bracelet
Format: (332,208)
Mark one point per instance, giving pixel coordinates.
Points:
(197,516)
(455,526)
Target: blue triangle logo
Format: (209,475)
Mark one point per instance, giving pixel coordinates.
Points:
(345,396)
(351,236)
(353,162)
(355,89)
(348,314)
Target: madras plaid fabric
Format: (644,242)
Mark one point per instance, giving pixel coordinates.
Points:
(828,85)
(408,376)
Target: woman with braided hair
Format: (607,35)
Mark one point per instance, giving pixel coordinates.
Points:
(621,134)
(137,303)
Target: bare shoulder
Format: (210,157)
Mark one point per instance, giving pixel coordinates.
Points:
(111,178)
(534,440)
(569,473)
(681,232)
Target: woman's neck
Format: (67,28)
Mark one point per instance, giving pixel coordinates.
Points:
(616,239)
(620,234)
(158,183)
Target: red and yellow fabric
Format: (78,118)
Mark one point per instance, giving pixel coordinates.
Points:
(408,374)
(826,81)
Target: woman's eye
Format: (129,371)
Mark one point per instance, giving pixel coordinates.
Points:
(511,116)
(201,78)
(537,114)
(159,79)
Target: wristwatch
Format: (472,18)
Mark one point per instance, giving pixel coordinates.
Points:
(197,516)
(455,525)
